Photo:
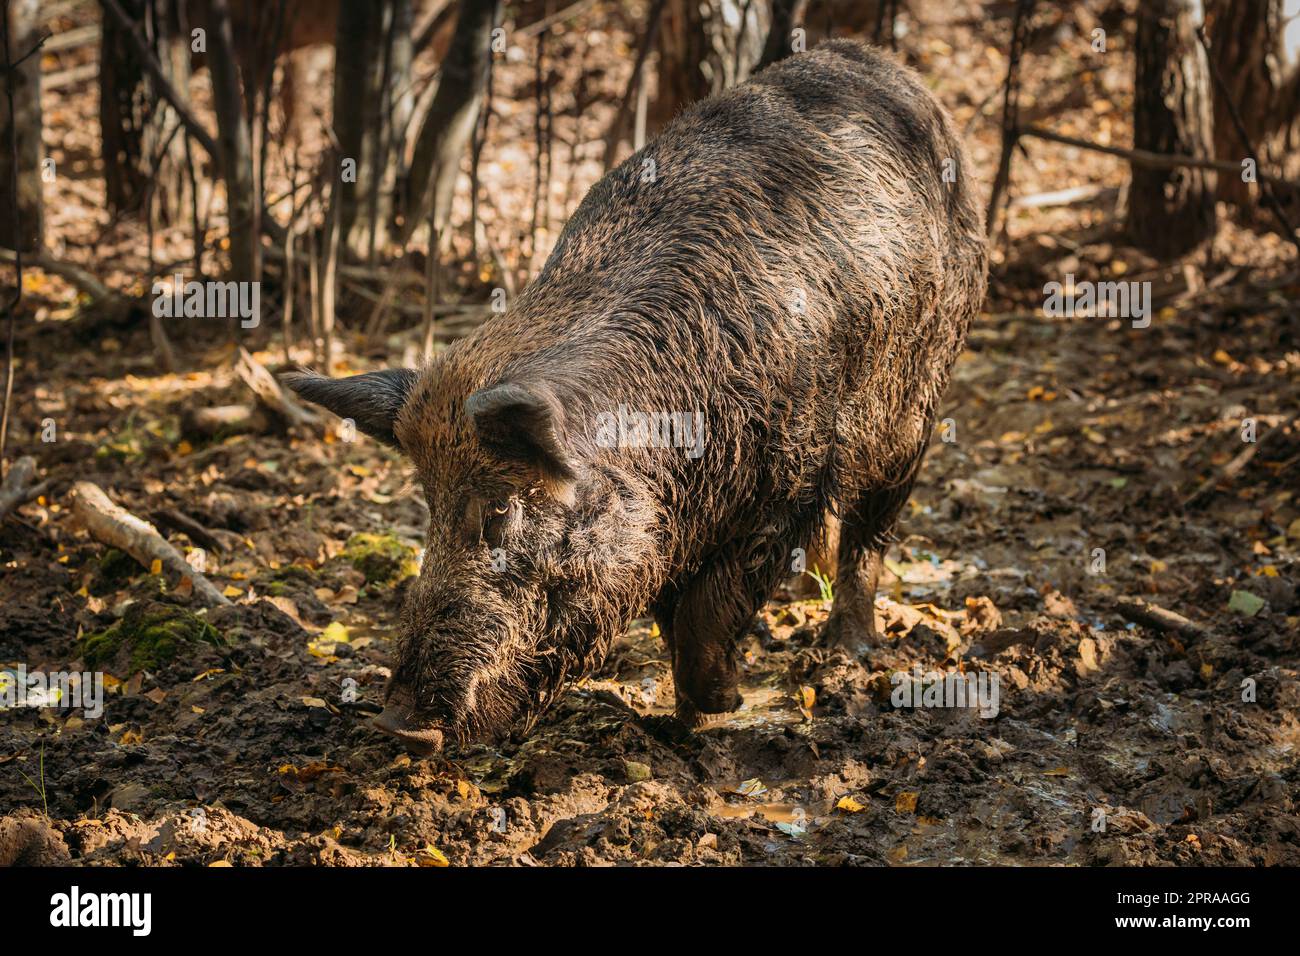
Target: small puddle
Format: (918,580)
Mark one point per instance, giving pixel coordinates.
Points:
(774,812)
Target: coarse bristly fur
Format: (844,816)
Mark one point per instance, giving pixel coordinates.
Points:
(798,260)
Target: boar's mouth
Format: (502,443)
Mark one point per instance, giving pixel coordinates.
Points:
(399,720)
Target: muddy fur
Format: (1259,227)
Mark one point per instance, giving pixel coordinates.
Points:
(785,259)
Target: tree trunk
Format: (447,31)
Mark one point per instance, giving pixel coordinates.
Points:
(446,130)
(786,16)
(137,142)
(1262,79)
(1171,212)
(704,47)
(243,206)
(25,126)
(372,106)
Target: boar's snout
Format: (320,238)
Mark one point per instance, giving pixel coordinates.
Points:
(399,720)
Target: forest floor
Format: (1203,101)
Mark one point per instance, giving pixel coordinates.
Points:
(230,738)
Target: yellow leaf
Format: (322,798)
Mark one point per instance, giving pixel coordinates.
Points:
(217,863)
(232,591)
(1057,772)
(1207,671)
(905,802)
(807,697)
(156,567)
(184,448)
(849,805)
(431,856)
(336,633)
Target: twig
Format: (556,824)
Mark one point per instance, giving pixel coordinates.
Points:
(1144,157)
(1240,461)
(178,521)
(1151,615)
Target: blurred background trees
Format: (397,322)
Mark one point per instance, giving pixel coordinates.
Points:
(318,144)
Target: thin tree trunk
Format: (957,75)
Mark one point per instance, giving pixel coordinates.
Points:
(786,16)
(446,130)
(242,206)
(25,126)
(1262,79)
(1171,212)
(372,107)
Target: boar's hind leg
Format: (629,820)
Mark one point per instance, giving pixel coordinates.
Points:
(702,629)
(865,534)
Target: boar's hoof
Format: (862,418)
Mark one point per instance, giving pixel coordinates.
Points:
(419,738)
(691,717)
(852,637)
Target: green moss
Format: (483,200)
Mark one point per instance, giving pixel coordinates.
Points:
(382,558)
(148,635)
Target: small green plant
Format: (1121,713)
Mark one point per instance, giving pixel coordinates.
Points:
(40,790)
(824,584)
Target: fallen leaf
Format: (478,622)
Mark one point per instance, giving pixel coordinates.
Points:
(431,856)
(1245,603)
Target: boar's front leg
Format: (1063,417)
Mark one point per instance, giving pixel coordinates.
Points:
(702,626)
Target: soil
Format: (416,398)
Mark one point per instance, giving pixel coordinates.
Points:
(240,736)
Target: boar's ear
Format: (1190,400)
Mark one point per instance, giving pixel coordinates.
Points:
(525,423)
(371,400)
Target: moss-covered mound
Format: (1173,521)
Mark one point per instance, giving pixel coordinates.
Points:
(382,558)
(148,636)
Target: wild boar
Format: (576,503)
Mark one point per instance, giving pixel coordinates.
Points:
(745,327)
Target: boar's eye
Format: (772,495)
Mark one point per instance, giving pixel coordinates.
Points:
(499,516)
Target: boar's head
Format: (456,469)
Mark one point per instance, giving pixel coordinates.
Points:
(536,555)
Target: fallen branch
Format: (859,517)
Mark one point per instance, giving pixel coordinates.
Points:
(1154,616)
(1062,197)
(179,521)
(20,485)
(118,528)
(78,277)
(269,392)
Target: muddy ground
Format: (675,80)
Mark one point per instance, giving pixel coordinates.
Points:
(241,737)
